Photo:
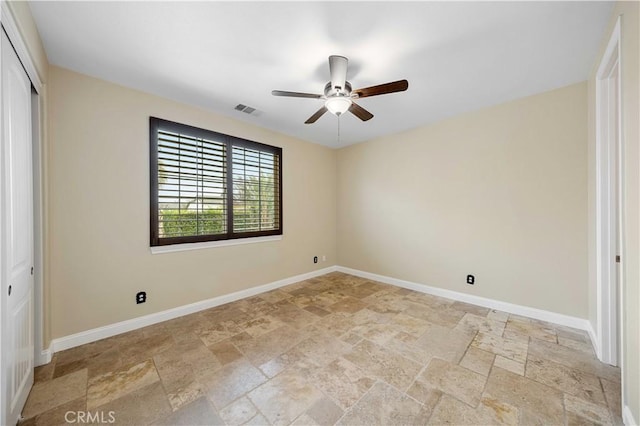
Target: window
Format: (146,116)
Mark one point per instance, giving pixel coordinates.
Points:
(207,186)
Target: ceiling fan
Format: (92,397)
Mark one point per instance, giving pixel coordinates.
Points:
(338,95)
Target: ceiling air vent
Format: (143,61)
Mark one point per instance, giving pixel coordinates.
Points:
(244,108)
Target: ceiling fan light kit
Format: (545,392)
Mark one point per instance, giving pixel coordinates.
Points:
(338,105)
(338,96)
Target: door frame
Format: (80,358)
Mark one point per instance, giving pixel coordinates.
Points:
(9,26)
(610,203)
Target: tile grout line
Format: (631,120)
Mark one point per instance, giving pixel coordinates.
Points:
(358,401)
(606,400)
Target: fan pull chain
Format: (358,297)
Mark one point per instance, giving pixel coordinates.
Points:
(339,130)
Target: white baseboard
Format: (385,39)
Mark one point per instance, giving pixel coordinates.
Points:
(43,357)
(99,333)
(627,417)
(594,340)
(511,308)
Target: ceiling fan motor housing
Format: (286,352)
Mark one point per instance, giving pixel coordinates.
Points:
(330,92)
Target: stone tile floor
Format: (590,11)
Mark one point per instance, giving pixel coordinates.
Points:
(336,349)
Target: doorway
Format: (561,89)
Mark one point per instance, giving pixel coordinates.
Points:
(609,204)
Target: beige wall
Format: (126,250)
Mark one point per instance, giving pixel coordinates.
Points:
(500,193)
(630,58)
(99,209)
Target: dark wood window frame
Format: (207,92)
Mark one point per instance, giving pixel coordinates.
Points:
(158,124)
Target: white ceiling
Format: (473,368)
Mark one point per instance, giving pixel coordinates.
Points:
(457,56)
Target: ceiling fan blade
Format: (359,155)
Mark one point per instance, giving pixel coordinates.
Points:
(338,70)
(295,94)
(381,89)
(317,115)
(360,112)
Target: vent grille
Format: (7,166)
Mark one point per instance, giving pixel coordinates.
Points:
(244,108)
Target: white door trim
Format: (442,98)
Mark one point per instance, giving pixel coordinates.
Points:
(42,355)
(3,399)
(11,28)
(609,155)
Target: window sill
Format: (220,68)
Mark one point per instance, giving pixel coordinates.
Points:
(211,244)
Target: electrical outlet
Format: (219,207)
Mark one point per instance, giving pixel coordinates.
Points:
(324,258)
(315,259)
(471,279)
(141,297)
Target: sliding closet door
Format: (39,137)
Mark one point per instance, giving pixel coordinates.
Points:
(16,235)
